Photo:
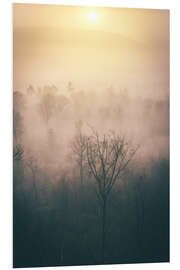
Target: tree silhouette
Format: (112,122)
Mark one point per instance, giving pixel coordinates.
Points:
(108,157)
(17,126)
(78,147)
(70,87)
(30,90)
(46,107)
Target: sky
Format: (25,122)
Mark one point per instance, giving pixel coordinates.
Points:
(58,43)
(137,23)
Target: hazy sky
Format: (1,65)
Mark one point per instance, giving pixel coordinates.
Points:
(138,23)
(53,42)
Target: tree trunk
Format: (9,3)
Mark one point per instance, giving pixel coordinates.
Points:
(103,229)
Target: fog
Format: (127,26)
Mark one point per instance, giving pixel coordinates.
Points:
(80,81)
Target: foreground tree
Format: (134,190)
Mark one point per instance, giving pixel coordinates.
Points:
(108,158)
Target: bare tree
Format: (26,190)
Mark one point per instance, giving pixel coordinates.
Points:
(108,157)
(78,147)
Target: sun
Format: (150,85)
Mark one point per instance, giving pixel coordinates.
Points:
(92,16)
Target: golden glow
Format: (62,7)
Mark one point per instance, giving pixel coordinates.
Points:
(92,16)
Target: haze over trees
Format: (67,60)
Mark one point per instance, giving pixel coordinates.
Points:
(89,192)
(90,136)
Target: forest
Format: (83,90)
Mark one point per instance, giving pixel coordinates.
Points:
(90,176)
